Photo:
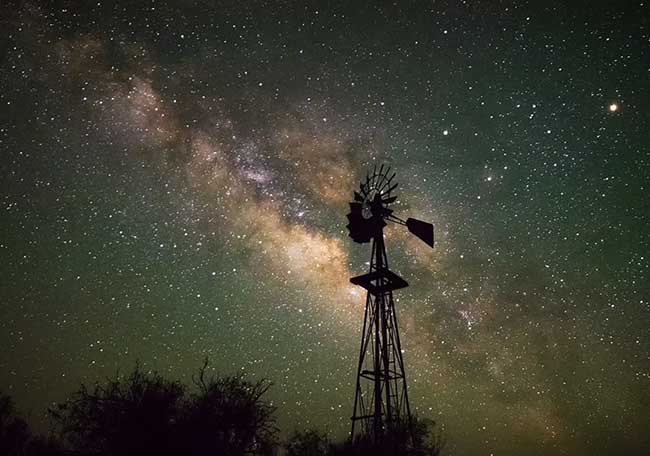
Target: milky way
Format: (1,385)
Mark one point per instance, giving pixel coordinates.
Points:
(175,179)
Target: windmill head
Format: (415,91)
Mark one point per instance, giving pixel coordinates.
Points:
(369,211)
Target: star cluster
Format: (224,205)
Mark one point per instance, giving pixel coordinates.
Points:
(175,179)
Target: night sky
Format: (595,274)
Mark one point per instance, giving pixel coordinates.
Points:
(175,180)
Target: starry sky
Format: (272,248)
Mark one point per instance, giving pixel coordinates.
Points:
(175,179)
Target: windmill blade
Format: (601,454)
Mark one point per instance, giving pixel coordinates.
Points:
(392,187)
(384,178)
(422,230)
(387,182)
(389,200)
(380,175)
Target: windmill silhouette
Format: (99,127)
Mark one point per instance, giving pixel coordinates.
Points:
(381,401)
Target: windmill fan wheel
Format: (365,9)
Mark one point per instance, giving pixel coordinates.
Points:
(370,206)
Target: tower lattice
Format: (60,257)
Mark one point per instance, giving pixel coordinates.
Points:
(381,397)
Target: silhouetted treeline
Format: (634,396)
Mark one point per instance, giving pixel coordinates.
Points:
(143,413)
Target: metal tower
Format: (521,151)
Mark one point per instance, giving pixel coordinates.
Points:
(381,401)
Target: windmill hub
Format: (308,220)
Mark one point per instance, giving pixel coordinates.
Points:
(381,397)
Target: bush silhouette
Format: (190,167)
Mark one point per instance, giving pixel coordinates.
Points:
(16,439)
(423,440)
(133,416)
(14,432)
(145,414)
(308,443)
(228,416)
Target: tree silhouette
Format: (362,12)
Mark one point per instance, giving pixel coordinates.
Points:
(228,416)
(145,414)
(131,416)
(16,439)
(14,432)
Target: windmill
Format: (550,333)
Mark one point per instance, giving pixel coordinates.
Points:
(381,398)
